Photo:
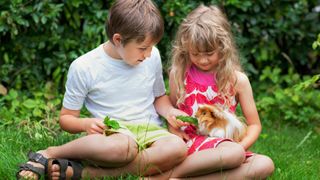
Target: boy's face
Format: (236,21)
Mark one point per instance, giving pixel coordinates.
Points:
(134,53)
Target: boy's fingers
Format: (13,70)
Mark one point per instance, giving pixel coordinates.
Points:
(100,124)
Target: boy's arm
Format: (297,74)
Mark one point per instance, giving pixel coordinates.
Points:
(72,123)
(249,110)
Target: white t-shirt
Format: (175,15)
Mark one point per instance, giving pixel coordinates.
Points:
(110,87)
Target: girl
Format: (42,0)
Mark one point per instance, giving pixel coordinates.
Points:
(206,70)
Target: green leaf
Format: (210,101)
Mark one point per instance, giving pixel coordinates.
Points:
(30,104)
(188,119)
(113,124)
(37,112)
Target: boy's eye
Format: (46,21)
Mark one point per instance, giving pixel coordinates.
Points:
(143,49)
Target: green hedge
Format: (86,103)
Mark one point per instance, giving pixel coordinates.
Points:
(39,39)
(278,42)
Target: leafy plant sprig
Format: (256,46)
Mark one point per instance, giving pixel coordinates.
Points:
(112,124)
(188,119)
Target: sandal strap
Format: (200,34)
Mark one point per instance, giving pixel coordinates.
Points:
(38,158)
(77,169)
(30,167)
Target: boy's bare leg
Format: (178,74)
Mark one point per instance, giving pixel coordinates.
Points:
(108,151)
(162,155)
(114,151)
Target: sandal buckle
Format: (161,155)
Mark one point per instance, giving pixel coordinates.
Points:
(37,157)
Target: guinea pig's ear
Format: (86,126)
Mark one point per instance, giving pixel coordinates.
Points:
(213,114)
(198,112)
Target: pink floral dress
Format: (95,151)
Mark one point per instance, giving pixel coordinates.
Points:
(201,88)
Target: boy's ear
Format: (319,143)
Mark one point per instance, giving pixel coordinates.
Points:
(117,39)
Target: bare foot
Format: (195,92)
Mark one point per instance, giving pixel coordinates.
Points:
(25,174)
(55,172)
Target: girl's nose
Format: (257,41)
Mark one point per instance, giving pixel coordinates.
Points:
(203,59)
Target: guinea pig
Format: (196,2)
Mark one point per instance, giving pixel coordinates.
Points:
(213,121)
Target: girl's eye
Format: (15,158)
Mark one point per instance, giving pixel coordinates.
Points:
(143,49)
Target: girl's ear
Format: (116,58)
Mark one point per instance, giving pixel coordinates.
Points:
(117,39)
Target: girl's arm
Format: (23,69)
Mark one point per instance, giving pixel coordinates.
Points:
(172,89)
(72,123)
(164,107)
(249,110)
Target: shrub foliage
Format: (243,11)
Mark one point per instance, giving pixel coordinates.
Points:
(278,41)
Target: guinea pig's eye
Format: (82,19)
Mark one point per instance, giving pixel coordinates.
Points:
(204,113)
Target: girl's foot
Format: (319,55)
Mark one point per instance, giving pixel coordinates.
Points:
(37,161)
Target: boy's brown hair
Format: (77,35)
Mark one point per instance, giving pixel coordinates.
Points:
(134,20)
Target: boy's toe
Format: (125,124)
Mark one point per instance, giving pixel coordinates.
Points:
(55,171)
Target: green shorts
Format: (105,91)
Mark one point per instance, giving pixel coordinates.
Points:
(143,133)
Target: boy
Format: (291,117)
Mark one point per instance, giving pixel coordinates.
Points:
(122,79)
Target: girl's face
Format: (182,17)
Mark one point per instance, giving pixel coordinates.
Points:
(205,61)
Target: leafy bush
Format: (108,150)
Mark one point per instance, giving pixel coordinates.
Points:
(316,44)
(39,39)
(38,109)
(297,103)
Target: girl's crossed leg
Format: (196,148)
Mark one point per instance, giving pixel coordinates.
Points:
(226,161)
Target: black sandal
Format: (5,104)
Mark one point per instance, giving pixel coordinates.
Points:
(64,164)
(37,158)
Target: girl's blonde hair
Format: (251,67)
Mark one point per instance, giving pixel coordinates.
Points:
(206,29)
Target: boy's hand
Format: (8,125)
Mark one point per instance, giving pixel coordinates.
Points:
(178,132)
(173,121)
(93,126)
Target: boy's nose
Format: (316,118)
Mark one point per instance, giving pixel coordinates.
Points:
(147,54)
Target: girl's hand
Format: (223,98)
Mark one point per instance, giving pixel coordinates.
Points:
(173,121)
(178,132)
(93,126)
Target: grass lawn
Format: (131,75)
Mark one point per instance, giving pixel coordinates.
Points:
(295,151)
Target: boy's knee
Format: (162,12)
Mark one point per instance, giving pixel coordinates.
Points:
(261,168)
(120,151)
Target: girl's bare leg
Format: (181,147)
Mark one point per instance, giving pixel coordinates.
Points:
(255,167)
(161,156)
(226,156)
